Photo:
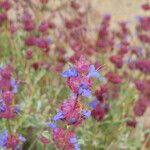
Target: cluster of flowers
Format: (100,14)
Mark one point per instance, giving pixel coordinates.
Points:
(8,107)
(105,39)
(4,7)
(140,62)
(72,112)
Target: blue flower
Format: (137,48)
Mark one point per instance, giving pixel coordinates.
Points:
(59,116)
(86,113)
(37,40)
(77,147)
(139,51)
(14,85)
(3,138)
(139,18)
(2,106)
(52,124)
(74,141)
(48,40)
(93,103)
(84,90)
(73,120)
(71,72)
(1,68)
(94,73)
(17,109)
(74,96)
(22,138)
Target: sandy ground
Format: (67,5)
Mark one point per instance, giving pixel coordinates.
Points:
(120,9)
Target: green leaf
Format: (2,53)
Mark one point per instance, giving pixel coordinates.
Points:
(40,75)
(81,142)
(46,134)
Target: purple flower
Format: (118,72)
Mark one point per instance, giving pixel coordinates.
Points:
(17,109)
(37,40)
(2,106)
(73,120)
(59,116)
(74,96)
(48,40)
(52,124)
(86,113)
(94,73)
(3,138)
(22,138)
(71,72)
(84,90)
(139,18)
(74,141)
(76,146)
(14,85)
(93,103)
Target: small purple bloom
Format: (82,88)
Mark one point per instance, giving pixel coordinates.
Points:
(73,120)
(17,109)
(71,72)
(139,51)
(74,141)
(3,138)
(37,40)
(48,40)
(2,106)
(59,116)
(77,147)
(93,103)
(84,90)
(22,138)
(14,85)
(139,18)
(74,96)
(86,113)
(52,124)
(94,73)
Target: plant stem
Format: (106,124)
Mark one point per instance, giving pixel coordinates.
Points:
(8,125)
(44,147)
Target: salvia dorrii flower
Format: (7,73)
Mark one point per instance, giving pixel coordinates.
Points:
(75,5)
(28,22)
(29,53)
(43,26)
(146,6)
(5,5)
(10,141)
(44,1)
(132,122)
(143,86)
(143,65)
(8,108)
(8,87)
(71,111)
(117,60)
(103,93)
(104,40)
(65,139)
(141,106)
(99,109)
(113,77)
